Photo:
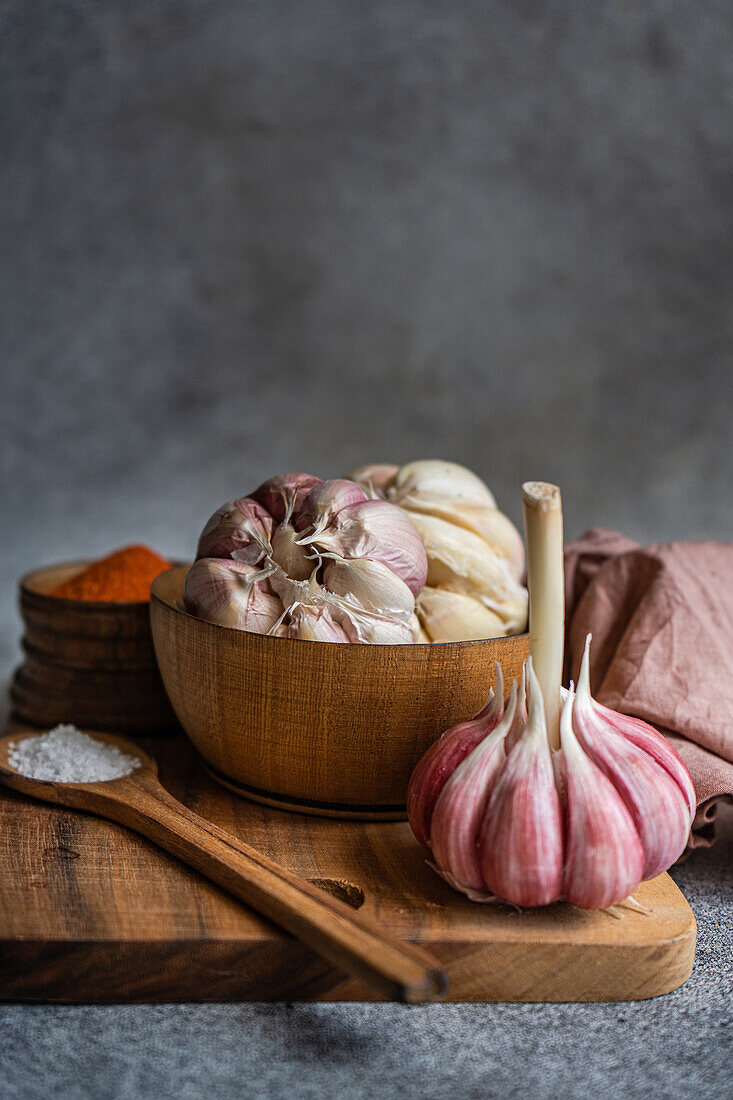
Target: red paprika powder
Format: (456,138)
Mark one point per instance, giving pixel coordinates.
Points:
(125,575)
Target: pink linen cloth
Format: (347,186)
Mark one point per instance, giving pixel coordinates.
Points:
(661,617)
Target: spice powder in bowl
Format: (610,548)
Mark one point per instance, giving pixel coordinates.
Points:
(122,577)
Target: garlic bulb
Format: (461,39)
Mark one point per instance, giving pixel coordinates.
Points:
(332,564)
(473,550)
(512,812)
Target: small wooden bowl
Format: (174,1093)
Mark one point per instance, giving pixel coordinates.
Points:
(316,726)
(87,662)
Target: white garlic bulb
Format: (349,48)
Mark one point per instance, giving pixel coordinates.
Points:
(475,554)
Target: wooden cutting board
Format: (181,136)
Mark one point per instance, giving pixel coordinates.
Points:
(91,912)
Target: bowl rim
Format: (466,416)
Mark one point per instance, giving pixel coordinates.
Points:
(156,598)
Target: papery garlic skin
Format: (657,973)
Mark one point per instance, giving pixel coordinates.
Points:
(280,495)
(375,529)
(375,478)
(450,492)
(318,508)
(461,807)
(521,837)
(370,584)
(460,561)
(241,528)
(338,565)
(232,594)
(440,761)
(585,824)
(645,737)
(657,803)
(473,549)
(604,856)
(453,617)
(314,624)
(437,480)
(288,553)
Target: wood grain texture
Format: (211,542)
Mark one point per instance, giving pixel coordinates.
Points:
(332,728)
(87,662)
(327,924)
(91,912)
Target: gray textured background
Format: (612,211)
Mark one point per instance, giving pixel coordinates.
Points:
(239,238)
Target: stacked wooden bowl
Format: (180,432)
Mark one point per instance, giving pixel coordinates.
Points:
(87,662)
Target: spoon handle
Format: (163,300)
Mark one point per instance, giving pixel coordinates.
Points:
(353,942)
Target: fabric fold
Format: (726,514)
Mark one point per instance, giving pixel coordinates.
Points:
(661,617)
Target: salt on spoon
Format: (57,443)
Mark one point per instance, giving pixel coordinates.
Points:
(66,755)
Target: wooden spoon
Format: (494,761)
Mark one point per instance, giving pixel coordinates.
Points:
(349,940)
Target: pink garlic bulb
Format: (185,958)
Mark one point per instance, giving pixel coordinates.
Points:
(553,797)
(338,566)
(531,826)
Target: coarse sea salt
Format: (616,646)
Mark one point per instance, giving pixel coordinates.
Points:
(66,755)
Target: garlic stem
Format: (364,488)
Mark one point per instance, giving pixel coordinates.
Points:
(544,537)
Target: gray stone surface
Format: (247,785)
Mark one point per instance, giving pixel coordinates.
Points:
(241,238)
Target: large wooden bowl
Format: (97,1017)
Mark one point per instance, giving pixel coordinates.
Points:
(89,662)
(317,726)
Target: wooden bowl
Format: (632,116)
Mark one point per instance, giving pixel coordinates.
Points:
(87,662)
(316,726)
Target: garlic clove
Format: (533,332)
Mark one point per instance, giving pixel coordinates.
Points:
(443,757)
(231,594)
(287,552)
(314,624)
(455,494)
(453,617)
(521,836)
(460,561)
(377,530)
(375,479)
(438,479)
(491,525)
(279,495)
(370,584)
(604,856)
(419,636)
(306,591)
(657,803)
(652,742)
(242,528)
(317,508)
(461,806)
(362,626)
